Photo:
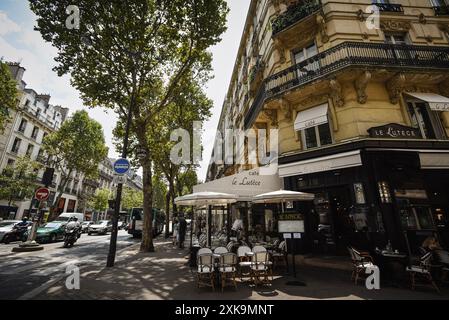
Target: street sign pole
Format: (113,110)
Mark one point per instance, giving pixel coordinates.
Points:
(113,243)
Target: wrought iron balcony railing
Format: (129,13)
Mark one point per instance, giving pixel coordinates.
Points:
(348,54)
(441,10)
(294,14)
(390,7)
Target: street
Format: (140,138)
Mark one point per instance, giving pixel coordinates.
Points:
(24,275)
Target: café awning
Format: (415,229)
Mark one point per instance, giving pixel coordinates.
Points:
(436,102)
(283,196)
(311,117)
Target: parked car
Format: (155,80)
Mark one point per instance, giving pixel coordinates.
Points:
(8,233)
(102,227)
(85,226)
(67,215)
(51,232)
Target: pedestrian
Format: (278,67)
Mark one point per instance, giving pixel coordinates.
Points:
(175,231)
(182,231)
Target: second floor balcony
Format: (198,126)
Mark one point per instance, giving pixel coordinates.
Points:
(400,57)
(389,7)
(294,14)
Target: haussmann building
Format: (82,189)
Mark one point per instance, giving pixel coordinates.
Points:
(362,108)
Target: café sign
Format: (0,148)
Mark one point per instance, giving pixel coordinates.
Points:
(394,131)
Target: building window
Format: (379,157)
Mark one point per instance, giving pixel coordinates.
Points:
(38,112)
(16,145)
(10,162)
(427,121)
(35,133)
(396,38)
(30,149)
(23,125)
(314,125)
(304,54)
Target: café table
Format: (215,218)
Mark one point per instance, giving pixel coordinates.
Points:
(392,265)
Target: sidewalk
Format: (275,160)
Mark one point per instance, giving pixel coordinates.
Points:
(165,274)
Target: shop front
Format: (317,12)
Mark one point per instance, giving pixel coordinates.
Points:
(371,193)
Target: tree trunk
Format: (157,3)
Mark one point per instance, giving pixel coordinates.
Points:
(147,233)
(60,192)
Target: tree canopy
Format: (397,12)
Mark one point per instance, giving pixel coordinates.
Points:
(8,95)
(76,148)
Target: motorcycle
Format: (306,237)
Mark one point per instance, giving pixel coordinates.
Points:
(71,235)
(17,234)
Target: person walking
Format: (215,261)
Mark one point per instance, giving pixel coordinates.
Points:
(182,231)
(175,231)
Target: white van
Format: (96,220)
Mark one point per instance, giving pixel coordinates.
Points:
(66,216)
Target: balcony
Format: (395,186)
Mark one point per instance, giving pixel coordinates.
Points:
(256,74)
(295,13)
(349,54)
(441,10)
(390,7)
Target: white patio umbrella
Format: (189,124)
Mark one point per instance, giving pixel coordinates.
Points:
(206,199)
(281,196)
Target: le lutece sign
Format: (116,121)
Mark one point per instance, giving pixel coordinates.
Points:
(394,131)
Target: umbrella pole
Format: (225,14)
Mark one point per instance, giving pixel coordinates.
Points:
(191,228)
(209,224)
(228,223)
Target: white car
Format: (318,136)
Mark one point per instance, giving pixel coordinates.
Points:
(102,227)
(6,227)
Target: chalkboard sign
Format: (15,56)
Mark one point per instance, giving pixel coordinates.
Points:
(290,226)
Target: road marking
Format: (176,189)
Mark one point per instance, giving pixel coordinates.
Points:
(35,292)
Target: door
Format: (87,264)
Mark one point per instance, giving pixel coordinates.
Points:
(343,224)
(304,54)
(399,40)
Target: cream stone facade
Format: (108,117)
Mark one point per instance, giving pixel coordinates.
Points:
(359,93)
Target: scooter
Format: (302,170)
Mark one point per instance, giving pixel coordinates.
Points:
(16,234)
(71,234)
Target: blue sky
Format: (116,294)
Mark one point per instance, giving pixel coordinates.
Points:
(19,42)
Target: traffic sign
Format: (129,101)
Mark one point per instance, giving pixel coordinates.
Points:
(119,179)
(42,194)
(121,166)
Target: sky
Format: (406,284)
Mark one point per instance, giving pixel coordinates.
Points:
(20,43)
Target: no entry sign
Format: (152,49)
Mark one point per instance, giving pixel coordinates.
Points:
(42,194)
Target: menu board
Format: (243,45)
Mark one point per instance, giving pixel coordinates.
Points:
(291,226)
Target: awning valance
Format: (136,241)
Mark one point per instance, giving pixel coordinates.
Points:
(311,117)
(436,102)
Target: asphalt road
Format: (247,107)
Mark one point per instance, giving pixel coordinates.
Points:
(24,275)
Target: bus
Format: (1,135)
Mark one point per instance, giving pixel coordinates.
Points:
(136,222)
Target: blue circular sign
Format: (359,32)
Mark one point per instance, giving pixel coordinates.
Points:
(121,166)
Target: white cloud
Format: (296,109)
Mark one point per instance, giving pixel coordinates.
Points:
(7,25)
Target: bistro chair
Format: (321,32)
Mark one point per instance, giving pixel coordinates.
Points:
(204,251)
(221,250)
(359,263)
(423,269)
(205,272)
(259,249)
(260,267)
(244,261)
(280,254)
(443,259)
(227,268)
(230,246)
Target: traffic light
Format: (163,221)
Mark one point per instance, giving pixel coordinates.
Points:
(47,179)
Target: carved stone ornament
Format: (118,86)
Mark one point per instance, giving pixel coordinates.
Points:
(286,108)
(360,86)
(272,115)
(422,18)
(395,86)
(360,15)
(279,46)
(313,100)
(322,28)
(395,25)
(336,93)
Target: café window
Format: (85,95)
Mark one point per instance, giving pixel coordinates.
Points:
(314,126)
(427,121)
